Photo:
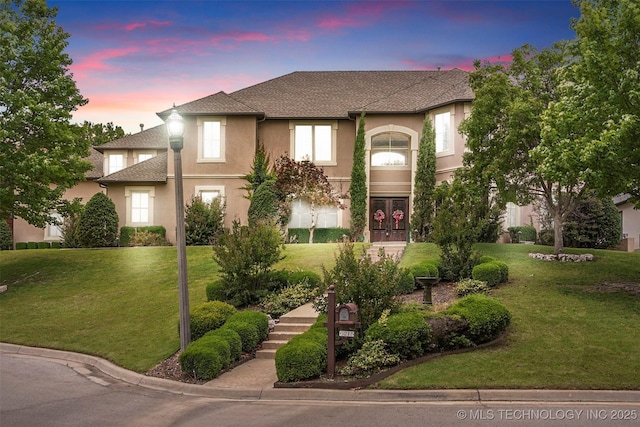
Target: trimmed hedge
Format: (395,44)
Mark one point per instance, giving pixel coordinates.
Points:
(522,233)
(220,345)
(215,291)
(21,245)
(320,235)
(304,356)
(247,332)
(127,233)
(44,245)
(232,337)
(487,316)
(259,320)
(208,316)
(201,360)
(489,272)
(424,269)
(504,271)
(487,258)
(405,334)
(32,245)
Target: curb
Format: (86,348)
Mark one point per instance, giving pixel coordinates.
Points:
(354,395)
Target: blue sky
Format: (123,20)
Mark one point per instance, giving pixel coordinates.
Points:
(134,58)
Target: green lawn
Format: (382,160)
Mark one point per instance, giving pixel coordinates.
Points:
(122,304)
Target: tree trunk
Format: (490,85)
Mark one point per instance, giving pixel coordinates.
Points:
(312,227)
(558,245)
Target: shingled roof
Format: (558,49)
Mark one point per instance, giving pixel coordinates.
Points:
(154,138)
(96,160)
(338,94)
(151,170)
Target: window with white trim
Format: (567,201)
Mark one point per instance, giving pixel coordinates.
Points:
(139,205)
(211,139)
(315,142)
(442,125)
(210,193)
(54,231)
(390,149)
(116,162)
(144,156)
(512,215)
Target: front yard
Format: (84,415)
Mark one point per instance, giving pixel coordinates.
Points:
(573,325)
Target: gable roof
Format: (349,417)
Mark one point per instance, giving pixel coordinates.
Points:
(96,160)
(338,94)
(150,170)
(154,138)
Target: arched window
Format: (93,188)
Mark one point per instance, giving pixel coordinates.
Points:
(390,149)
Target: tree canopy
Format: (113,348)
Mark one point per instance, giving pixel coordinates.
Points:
(40,154)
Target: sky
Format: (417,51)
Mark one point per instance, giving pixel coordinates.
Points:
(133,58)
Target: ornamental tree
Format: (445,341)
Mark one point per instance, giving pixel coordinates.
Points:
(358,186)
(40,155)
(504,134)
(305,181)
(425,184)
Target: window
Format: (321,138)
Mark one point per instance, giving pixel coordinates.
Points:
(443,132)
(512,215)
(314,142)
(390,149)
(144,156)
(211,139)
(301,215)
(116,163)
(210,193)
(139,201)
(54,231)
(209,196)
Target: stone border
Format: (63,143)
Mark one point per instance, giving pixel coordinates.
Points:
(563,257)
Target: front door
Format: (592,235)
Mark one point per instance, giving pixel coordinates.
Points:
(388,220)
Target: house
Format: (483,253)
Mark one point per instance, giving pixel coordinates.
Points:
(309,115)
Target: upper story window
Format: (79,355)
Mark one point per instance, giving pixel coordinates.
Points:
(390,149)
(315,142)
(116,162)
(211,139)
(144,156)
(444,138)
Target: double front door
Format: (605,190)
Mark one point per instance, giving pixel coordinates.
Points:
(388,219)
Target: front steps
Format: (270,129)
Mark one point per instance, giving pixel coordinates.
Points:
(393,249)
(291,324)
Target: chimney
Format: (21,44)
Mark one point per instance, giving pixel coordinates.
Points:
(141,127)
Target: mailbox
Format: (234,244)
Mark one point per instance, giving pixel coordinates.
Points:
(347,314)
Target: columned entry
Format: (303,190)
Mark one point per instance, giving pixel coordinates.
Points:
(388,219)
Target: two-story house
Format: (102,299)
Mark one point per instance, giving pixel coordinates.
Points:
(308,115)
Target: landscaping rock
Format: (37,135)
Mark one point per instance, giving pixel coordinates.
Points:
(563,257)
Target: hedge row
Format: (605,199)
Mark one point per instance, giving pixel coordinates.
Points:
(304,356)
(205,357)
(127,233)
(320,235)
(38,245)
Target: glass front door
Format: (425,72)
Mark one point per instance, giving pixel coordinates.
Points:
(388,220)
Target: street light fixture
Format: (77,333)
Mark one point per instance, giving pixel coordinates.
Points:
(175,128)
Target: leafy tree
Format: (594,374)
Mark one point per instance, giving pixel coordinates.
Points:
(6,238)
(203,221)
(595,223)
(260,171)
(98,224)
(425,184)
(98,133)
(40,155)
(597,114)
(504,134)
(71,213)
(358,187)
(245,255)
(303,180)
(457,228)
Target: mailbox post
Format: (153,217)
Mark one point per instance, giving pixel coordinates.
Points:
(346,323)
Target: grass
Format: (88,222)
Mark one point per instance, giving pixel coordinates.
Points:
(122,304)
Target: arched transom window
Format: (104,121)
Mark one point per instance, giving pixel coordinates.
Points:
(390,149)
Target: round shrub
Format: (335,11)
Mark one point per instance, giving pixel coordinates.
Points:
(201,361)
(208,316)
(489,272)
(300,359)
(232,337)
(424,269)
(215,291)
(487,316)
(405,334)
(504,271)
(407,283)
(247,333)
(258,320)
(98,224)
(486,258)
(312,279)
(220,345)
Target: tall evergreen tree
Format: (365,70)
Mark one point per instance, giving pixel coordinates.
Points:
(260,171)
(358,187)
(425,184)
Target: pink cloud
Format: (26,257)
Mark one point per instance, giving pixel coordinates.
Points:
(130,27)
(99,60)
(359,14)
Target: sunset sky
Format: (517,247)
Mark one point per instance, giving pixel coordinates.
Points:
(135,58)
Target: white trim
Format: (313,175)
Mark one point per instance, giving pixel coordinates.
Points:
(107,158)
(452,128)
(200,188)
(151,191)
(200,126)
(48,235)
(334,138)
(137,153)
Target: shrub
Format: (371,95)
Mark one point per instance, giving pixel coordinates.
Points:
(424,269)
(247,332)
(98,224)
(522,233)
(220,345)
(6,239)
(203,221)
(312,279)
(489,272)
(304,356)
(245,255)
(32,245)
(289,298)
(504,271)
(405,334)
(369,359)
(21,245)
(232,337)
(44,245)
(320,235)
(487,316)
(265,204)
(208,316)
(594,223)
(201,361)
(154,235)
(71,212)
(471,286)
(56,245)
(258,320)
(215,291)
(448,332)
(406,283)
(486,258)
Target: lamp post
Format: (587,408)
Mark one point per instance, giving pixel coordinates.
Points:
(175,128)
